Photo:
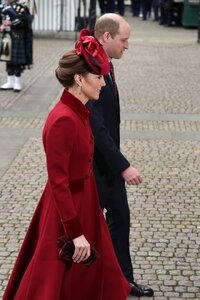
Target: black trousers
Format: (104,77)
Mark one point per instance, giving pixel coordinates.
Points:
(110,6)
(114,199)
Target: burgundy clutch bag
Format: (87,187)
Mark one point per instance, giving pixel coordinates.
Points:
(66,250)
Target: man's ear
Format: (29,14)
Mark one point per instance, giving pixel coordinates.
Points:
(106,36)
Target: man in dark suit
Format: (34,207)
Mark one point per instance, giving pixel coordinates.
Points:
(111,168)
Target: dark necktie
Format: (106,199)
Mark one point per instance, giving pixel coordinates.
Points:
(112,74)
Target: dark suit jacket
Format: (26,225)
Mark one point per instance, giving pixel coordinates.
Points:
(105,120)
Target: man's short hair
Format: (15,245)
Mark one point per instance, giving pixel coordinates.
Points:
(106,24)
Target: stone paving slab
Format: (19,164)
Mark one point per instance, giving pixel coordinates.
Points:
(46,54)
(177,126)
(165,235)
(164,78)
(21,122)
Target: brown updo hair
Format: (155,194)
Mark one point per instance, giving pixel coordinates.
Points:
(69,65)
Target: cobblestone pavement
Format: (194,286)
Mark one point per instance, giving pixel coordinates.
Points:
(159,83)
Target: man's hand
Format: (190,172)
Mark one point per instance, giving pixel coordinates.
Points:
(7,23)
(2,28)
(132,176)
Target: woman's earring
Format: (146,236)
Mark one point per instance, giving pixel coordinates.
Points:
(80,89)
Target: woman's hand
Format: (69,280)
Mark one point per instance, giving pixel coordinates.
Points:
(82,249)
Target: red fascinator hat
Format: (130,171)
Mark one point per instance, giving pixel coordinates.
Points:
(93,53)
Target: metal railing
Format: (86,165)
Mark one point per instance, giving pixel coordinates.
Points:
(64,15)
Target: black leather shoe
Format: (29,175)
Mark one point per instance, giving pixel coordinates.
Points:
(140,290)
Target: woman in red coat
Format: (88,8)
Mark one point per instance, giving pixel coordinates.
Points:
(69,204)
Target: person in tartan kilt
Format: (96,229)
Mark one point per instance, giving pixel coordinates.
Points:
(16,21)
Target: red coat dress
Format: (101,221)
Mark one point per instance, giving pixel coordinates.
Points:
(69,204)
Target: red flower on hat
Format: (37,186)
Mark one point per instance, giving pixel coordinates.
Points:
(90,44)
(93,53)
(78,48)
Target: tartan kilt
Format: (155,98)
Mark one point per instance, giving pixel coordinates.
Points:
(22,47)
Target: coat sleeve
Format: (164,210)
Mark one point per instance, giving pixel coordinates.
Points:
(103,140)
(58,143)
